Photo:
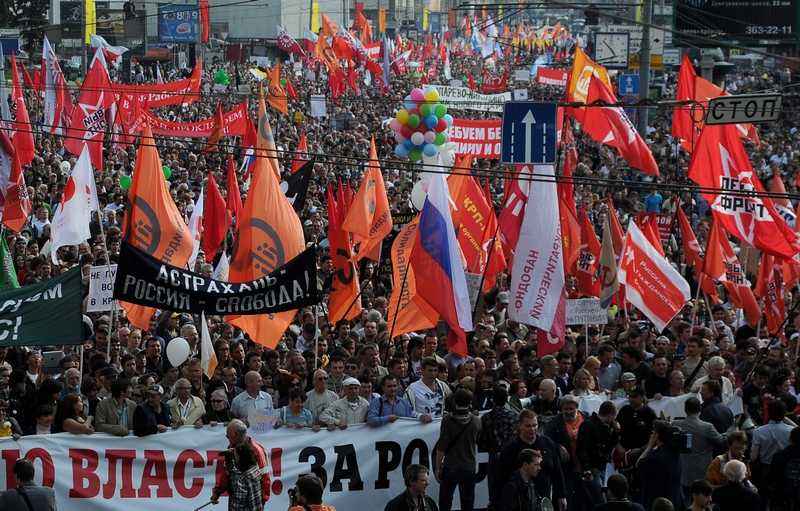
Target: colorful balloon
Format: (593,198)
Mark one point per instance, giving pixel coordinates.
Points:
(167,172)
(449,119)
(424,110)
(417,95)
(432,96)
(415,155)
(408,144)
(441,126)
(125,182)
(401,151)
(409,103)
(413,121)
(430,136)
(441,138)
(395,125)
(418,139)
(431,121)
(406,130)
(402,116)
(440,110)
(399,137)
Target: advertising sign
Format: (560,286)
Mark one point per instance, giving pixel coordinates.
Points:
(753,22)
(178,24)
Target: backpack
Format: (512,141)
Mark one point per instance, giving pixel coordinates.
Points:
(791,485)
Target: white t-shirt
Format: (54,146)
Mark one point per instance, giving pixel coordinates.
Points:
(427,401)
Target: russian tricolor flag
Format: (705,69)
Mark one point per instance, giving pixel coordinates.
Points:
(437,262)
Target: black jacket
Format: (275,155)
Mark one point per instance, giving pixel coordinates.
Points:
(596,440)
(556,431)
(735,496)
(400,503)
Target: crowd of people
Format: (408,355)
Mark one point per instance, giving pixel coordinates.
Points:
(523,410)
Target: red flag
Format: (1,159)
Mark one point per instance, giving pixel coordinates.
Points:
(517,198)
(290,90)
(590,254)
(22,131)
(570,235)
(288,43)
(233,199)
(721,264)
(334,215)
(694,254)
(721,162)
(352,76)
(345,300)
(771,290)
(301,156)
(547,344)
(650,230)
(643,270)
(682,125)
(91,116)
(471,82)
(216,218)
(29,83)
(610,125)
(17,204)
(130,117)
(216,132)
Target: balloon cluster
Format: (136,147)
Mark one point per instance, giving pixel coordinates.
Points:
(125,181)
(420,127)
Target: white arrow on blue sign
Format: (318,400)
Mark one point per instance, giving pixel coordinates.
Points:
(529,133)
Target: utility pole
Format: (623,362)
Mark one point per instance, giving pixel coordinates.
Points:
(644,68)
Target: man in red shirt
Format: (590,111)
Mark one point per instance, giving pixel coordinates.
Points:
(237,434)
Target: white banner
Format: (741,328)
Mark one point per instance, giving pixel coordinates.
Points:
(467,99)
(318,107)
(586,311)
(101,288)
(175,470)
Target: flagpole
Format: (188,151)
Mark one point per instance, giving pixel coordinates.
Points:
(113,301)
(486,266)
(694,311)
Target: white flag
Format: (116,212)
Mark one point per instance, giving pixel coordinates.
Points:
(195,225)
(208,359)
(447,73)
(222,270)
(537,293)
(70,224)
(49,70)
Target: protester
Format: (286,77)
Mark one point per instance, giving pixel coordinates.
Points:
(236,433)
(308,495)
(520,493)
(244,487)
(414,497)
(455,462)
(27,494)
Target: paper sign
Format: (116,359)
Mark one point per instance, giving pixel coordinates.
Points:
(261,421)
(474,287)
(318,106)
(101,289)
(520,94)
(522,76)
(585,311)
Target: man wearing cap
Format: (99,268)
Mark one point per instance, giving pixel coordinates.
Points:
(107,376)
(186,408)
(351,409)
(253,398)
(636,425)
(500,305)
(152,416)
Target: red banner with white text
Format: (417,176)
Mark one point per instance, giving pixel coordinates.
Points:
(547,76)
(170,93)
(235,125)
(481,139)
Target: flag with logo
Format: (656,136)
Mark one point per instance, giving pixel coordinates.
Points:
(277,96)
(583,69)
(70,225)
(152,221)
(770,288)
(21,129)
(17,204)
(721,167)
(651,283)
(217,130)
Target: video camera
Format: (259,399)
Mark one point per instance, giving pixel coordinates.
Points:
(681,440)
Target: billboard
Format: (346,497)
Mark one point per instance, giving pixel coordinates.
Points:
(746,21)
(178,24)
(119,30)
(71,20)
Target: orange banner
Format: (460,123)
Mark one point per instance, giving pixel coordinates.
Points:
(408,312)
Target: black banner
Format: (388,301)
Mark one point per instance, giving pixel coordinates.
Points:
(144,280)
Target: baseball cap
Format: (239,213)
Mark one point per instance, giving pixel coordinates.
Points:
(502,297)
(109,371)
(628,377)
(350,381)
(636,391)
(155,390)
(3,381)
(281,347)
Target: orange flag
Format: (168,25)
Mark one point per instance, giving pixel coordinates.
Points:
(325,53)
(217,130)
(345,302)
(18,204)
(301,156)
(369,217)
(583,69)
(771,290)
(721,264)
(270,235)
(366,29)
(153,222)
(277,96)
(265,142)
(570,236)
(408,312)
(329,28)
(590,254)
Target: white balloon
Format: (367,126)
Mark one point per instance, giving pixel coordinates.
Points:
(65,167)
(418,195)
(178,351)
(418,138)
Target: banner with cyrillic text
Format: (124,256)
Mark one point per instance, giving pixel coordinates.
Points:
(45,313)
(144,280)
(176,469)
(547,76)
(235,124)
(481,139)
(467,99)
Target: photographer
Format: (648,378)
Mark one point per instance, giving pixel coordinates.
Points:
(660,467)
(307,495)
(244,478)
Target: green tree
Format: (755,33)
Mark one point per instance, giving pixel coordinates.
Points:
(30,16)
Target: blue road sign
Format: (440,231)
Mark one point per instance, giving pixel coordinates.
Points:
(631,100)
(529,133)
(629,85)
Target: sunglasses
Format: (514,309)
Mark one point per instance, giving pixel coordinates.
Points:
(295,384)
(351,367)
(136,395)
(321,379)
(217,401)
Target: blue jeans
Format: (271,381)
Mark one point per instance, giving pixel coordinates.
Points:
(465,481)
(596,496)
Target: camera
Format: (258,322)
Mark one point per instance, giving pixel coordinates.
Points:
(681,440)
(481,327)
(751,351)
(292,493)
(227,454)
